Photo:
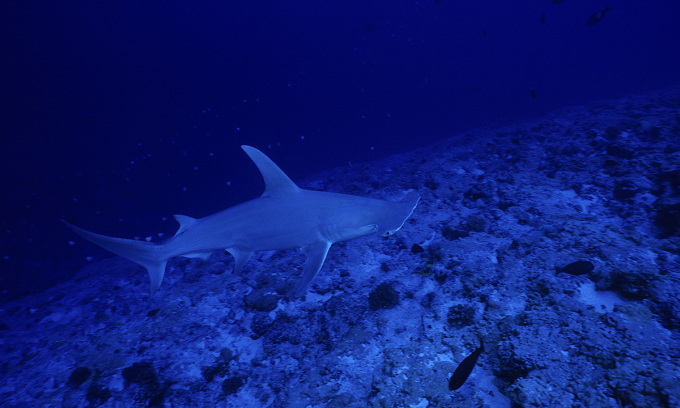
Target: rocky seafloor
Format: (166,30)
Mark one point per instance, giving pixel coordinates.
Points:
(554,242)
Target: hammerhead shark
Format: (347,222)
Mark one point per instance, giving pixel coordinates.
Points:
(285,216)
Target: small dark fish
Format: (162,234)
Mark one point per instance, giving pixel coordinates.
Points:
(543,18)
(597,17)
(464,369)
(533,94)
(557,1)
(370,26)
(578,268)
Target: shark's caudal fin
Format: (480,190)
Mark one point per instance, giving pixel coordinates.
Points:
(149,255)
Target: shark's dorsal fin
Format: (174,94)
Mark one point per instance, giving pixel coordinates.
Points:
(275,180)
(184,222)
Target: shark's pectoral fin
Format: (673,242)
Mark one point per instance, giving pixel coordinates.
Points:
(316,255)
(240,258)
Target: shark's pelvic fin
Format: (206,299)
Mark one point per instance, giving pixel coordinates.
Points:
(148,254)
(316,255)
(275,180)
(240,258)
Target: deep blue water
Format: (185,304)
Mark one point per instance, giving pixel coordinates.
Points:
(116,115)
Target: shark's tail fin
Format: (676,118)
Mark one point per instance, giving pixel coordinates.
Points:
(149,255)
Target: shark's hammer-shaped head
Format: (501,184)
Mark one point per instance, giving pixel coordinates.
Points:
(392,217)
(358,216)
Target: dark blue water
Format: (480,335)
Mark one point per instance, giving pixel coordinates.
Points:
(116,115)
